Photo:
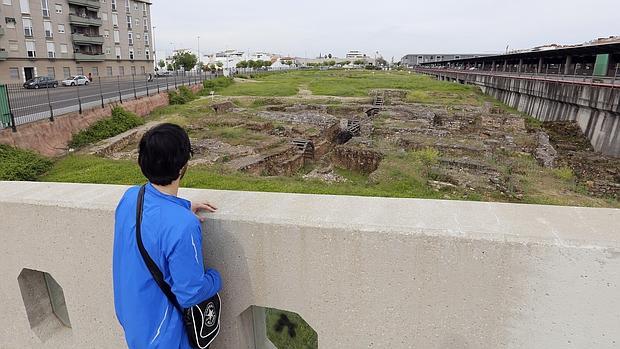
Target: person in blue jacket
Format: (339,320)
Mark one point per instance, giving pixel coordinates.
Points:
(172,236)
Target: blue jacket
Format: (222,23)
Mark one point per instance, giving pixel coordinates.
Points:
(172,236)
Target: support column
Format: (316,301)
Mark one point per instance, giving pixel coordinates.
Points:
(520,69)
(493,67)
(540,65)
(482,66)
(569,61)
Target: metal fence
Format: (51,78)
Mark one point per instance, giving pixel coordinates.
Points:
(19,105)
(547,73)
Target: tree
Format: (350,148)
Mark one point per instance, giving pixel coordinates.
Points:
(242,64)
(359,62)
(185,60)
(329,56)
(161,64)
(251,64)
(170,67)
(381,62)
(219,65)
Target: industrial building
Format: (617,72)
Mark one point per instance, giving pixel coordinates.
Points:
(417,59)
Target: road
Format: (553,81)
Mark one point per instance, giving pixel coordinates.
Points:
(29,105)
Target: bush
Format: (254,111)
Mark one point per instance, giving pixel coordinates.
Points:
(120,122)
(21,165)
(182,96)
(217,84)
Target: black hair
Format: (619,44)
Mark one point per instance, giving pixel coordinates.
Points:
(164,151)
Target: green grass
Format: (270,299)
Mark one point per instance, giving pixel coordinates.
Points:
(304,336)
(120,121)
(422,89)
(21,165)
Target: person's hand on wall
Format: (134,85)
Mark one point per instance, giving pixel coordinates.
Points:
(198,207)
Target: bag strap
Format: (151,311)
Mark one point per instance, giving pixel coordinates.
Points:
(150,264)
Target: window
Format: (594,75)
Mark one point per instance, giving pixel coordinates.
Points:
(44,8)
(146,24)
(30,49)
(27,26)
(146,39)
(58,9)
(139,53)
(47,26)
(13,46)
(131,53)
(148,54)
(130,36)
(133,70)
(129,26)
(109,71)
(61,28)
(144,9)
(108,51)
(51,72)
(106,33)
(118,53)
(137,36)
(127,6)
(117,37)
(7,2)
(135,6)
(113,5)
(14,73)
(137,22)
(25,6)
(95,71)
(66,71)
(143,69)
(64,48)
(121,71)
(80,70)
(115,19)
(104,16)
(10,22)
(51,50)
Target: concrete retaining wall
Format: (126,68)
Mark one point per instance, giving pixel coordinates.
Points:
(51,138)
(596,109)
(364,272)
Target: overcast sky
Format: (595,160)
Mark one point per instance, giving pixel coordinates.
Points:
(393,28)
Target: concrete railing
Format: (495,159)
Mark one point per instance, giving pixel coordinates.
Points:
(363,272)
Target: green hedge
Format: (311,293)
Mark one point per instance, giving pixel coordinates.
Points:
(120,122)
(21,165)
(183,96)
(217,84)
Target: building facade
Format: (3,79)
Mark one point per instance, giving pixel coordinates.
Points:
(62,38)
(417,59)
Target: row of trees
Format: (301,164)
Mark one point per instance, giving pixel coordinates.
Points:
(254,64)
(187,61)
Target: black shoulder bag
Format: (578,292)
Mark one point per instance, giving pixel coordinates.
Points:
(202,321)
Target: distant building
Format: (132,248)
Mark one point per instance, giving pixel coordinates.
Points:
(417,59)
(354,54)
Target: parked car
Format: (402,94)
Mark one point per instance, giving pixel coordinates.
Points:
(76,81)
(41,81)
(162,73)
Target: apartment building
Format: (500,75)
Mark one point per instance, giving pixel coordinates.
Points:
(62,38)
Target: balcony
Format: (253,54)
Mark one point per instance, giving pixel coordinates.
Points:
(82,39)
(92,5)
(4,55)
(85,21)
(88,57)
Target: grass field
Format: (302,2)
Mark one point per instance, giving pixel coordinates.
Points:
(422,89)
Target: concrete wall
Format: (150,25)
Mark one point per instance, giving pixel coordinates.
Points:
(51,138)
(596,109)
(364,272)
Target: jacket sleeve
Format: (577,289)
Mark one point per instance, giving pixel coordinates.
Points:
(190,283)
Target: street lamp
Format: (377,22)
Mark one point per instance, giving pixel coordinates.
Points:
(154,47)
(199,58)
